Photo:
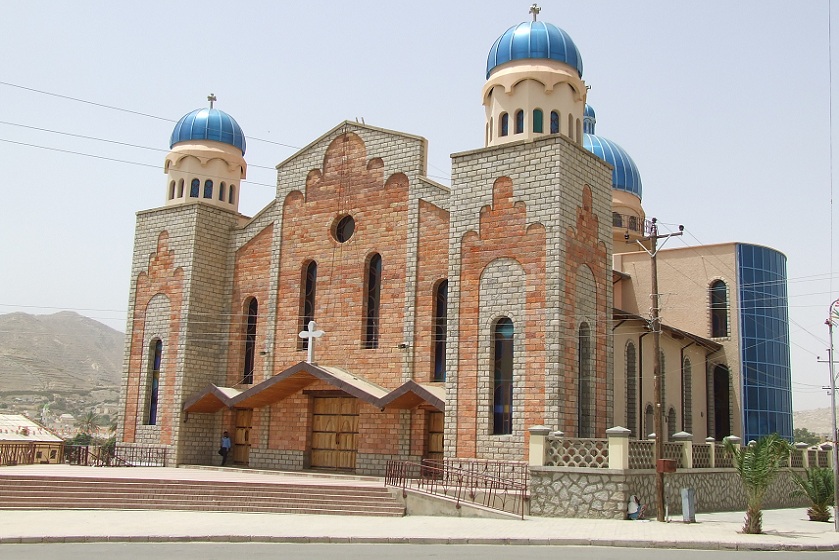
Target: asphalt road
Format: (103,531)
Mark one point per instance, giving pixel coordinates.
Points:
(260,551)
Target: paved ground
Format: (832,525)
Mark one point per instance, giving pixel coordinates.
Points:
(786,529)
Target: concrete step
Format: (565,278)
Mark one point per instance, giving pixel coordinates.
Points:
(46,492)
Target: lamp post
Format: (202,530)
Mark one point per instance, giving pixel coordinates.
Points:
(832,317)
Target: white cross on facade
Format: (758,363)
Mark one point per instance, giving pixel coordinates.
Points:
(311,334)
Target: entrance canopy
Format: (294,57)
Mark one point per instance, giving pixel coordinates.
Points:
(299,376)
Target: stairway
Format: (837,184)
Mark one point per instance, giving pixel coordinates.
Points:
(327,496)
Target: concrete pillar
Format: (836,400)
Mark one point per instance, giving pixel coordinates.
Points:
(735,441)
(712,450)
(536,448)
(686,440)
(618,447)
(801,447)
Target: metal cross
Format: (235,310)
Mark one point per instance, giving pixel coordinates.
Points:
(535,9)
(311,334)
(212,97)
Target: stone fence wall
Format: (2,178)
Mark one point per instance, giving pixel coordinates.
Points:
(594,478)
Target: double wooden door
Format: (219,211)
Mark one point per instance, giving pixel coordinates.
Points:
(334,432)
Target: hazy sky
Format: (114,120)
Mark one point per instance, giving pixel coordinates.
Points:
(724,106)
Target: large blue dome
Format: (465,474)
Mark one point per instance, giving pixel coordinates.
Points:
(534,39)
(209,124)
(625,176)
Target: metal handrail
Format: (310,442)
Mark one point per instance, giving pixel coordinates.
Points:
(479,482)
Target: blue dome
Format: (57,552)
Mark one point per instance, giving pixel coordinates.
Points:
(625,176)
(208,124)
(534,39)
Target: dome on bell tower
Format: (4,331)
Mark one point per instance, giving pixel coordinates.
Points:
(206,164)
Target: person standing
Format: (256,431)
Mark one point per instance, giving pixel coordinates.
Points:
(224,450)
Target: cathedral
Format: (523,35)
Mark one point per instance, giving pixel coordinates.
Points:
(369,313)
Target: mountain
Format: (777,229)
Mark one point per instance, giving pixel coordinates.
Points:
(817,420)
(63,352)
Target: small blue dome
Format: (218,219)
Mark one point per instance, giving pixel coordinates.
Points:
(625,176)
(534,39)
(208,124)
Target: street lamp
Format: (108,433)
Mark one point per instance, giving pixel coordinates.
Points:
(833,316)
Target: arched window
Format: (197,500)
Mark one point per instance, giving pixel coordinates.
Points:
(719,309)
(570,126)
(155,360)
(505,124)
(649,421)
(221,190)
(687,397)
(519,121)
(579,130)
(171,190)
(194,188)
(617,220)
(537,121)
(671,423)
(441,296)
(632,390)
(231,196)
(208,189)
(374,290)
(663,374)
(250,342)
(722,403)
(491,124)
(502,395)
(585,384)
(554,122)
(181,188)
(307,301)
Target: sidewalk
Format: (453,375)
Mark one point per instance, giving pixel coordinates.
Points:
(786,529)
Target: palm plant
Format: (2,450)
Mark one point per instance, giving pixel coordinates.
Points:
(88,423)
(757,464)
(817,487)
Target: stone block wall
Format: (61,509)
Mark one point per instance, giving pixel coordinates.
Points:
(604,493)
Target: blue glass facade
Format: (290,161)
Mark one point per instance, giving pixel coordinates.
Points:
(766,381)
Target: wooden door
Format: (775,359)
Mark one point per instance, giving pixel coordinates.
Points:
(242,436)
(334,432)
(434,443)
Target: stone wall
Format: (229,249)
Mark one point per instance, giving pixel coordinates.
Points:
(604,493)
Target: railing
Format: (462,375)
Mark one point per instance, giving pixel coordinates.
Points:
(577,452)
(618,452)
(500,485)
(106,456)
(30,453)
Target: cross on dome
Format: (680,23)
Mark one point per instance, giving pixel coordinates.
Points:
(212,97)
(535,9)
(311,334)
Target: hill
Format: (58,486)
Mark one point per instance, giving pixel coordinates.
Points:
(66,360)
(817,421)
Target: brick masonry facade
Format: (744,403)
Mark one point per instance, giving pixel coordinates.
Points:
(523,233)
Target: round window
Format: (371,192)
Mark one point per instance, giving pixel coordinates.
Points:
(344,229)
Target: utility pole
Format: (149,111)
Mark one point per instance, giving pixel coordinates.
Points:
(834,315)
(655,326)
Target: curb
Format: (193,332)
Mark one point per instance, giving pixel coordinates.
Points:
(673,545)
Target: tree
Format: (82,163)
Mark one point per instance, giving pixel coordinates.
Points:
(806,436)
(817,487)
(757,465)
(88,423)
